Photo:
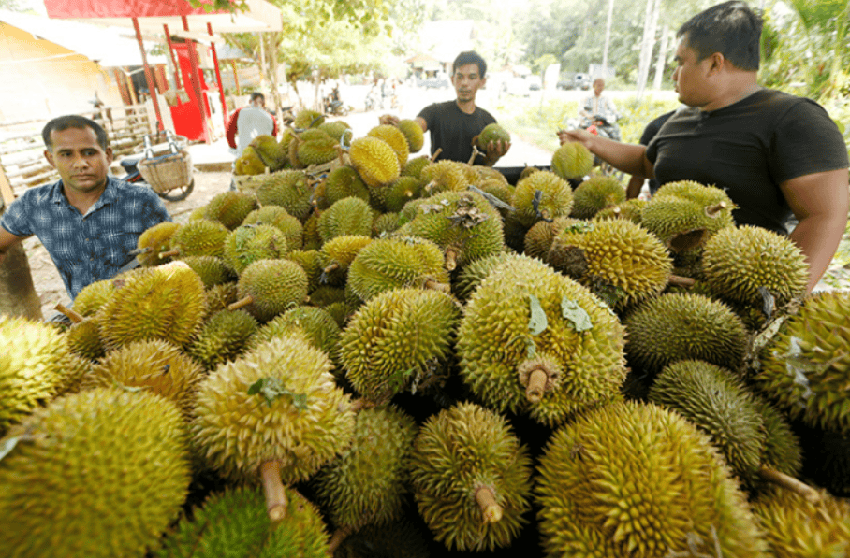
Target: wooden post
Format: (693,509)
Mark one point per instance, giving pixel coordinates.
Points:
(130,87)
(218,77)
(148,76)
(236,77)
(177,81)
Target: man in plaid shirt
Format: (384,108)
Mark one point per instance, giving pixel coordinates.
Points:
(88,221)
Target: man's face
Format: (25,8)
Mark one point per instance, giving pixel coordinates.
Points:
(691,77)
(259,102)
(82,163)
(467,82)
(598,86)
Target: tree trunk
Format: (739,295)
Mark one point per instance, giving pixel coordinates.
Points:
(17,292)
(608,36)
(652,9)
(662,58)
(273,42)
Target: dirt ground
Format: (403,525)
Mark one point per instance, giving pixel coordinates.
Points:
(48,283)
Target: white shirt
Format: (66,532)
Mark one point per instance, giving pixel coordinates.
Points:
(252,122)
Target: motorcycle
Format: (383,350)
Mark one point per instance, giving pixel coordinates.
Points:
(600,126)
(167,170)
(333,105)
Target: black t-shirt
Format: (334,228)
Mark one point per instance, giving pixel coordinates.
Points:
(452,130)
(650,132)
(748,149)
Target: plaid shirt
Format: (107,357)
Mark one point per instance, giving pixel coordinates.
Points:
(86,248)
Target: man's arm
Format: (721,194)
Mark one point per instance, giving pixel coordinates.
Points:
(628,158)
(634,186)
(820,202)
(231,128)
(7,240)
(495,151)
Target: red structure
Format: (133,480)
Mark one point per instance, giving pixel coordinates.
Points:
(153,17)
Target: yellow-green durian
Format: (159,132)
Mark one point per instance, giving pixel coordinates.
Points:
(447,176)
(542,195)
(343,182)
(93,296)
(199,238)
(348,217)
(280,218)
(250,243)
(315,147)
(629,209)
(572,160)
(271,287)
(155,240)
(596,193)
(395,139)
(400,191)
(412,134)
(230,208)
(211,269)
(288,189)
(493,132)
(270,151)
(414,166)
(308,118)
(222,338)
(375,161)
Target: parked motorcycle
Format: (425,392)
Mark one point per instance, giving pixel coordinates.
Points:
(600,126)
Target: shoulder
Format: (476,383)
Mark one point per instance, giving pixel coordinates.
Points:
(40,195)
(484,114)
(128,193)
(435,109)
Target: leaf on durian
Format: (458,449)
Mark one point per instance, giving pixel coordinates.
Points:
(398,379)
(538,322)
(274,388)
(576,315)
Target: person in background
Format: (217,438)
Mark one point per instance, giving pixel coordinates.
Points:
(600,107)
(88,221)
(773,153)
(249,122)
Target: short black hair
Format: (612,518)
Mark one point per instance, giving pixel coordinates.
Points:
(470,57)
(255,96)
(730,28)
(62,123)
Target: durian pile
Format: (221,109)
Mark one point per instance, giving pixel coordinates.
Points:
(378,355)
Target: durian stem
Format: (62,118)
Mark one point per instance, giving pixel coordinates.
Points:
(247,301)
(486,500)
(437,286)
(72,315)
(362,403)
(170,253)
(768,473)
(537,381)
(451,259)
(617,211)
(339,537)
(331,268)
(434,155)
(714,210)
(274,490)
(679,281)
(475,152)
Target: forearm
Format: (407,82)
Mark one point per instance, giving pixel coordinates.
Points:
(818,239)
(635,184)
(631,159)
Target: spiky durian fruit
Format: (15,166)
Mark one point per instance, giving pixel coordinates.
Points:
(402,190)
(93,296)
(572,160)
(629,209)
(348,217)
(471,498)
(220,297)
(415,166)
(250,243)
(367,482)
(498,189)
(235,524)
(398,539)
(230,208)
(267,288)
(280,218)
(799,528)
(289,190)
(535,342)
(30,366)
(385,224)
(164,302)
(412,134)
(738,263)
(337,254)
(538,239)
(472,275)
(249,163)
(542,195)
(492,133)
(394,342)
(311,262)
(618,260)
(325,295)
(152,364)
(270,151)
(75,369)
(806,365)
(103,461)
(595,194)
(310,239)
(223,337)
(685,214)
(155,240)
(83,339)
(337,129)
(316,324)
(463,224)
(375,161)
(315,147)
(343,182)
(447,176)
(197,238)
(211,269)
(396,262)
(637,480)
(675,326)
(308,118)
(782,449)
(275,404)
(395,138)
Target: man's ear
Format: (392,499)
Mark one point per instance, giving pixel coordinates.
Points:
(109,155)
(717,62)
(49,156)
(483,82)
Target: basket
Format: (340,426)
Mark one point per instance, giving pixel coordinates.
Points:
(165,172)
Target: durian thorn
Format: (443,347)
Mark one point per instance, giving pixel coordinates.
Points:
(339,537)
(434,154)
(714,210)
(491,512)
(451,258)
(273,489)
(538,379)
(71,314)
(435,285)
(679,281)
(242,303)
(170,253)
(796,486)
(332,267)
(617,210)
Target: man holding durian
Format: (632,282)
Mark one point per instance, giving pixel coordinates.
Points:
(774,154)
(88,221)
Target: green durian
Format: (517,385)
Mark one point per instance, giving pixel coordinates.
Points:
(230,208)
(222,338)
(280,218)
(542,195)
(250,243)
(348,217)
(289,190)
(267,288)
(572,160)
(595,194)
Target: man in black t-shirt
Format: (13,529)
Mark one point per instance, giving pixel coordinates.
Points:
(454,124)
(774,154)
(651,130)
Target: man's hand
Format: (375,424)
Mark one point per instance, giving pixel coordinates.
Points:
(582,136)
(495,151)
(389,119)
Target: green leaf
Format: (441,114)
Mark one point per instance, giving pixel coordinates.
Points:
(538,322)
(576,315)
(273,388)
(398,379)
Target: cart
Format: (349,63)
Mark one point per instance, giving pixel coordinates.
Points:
(168,168)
